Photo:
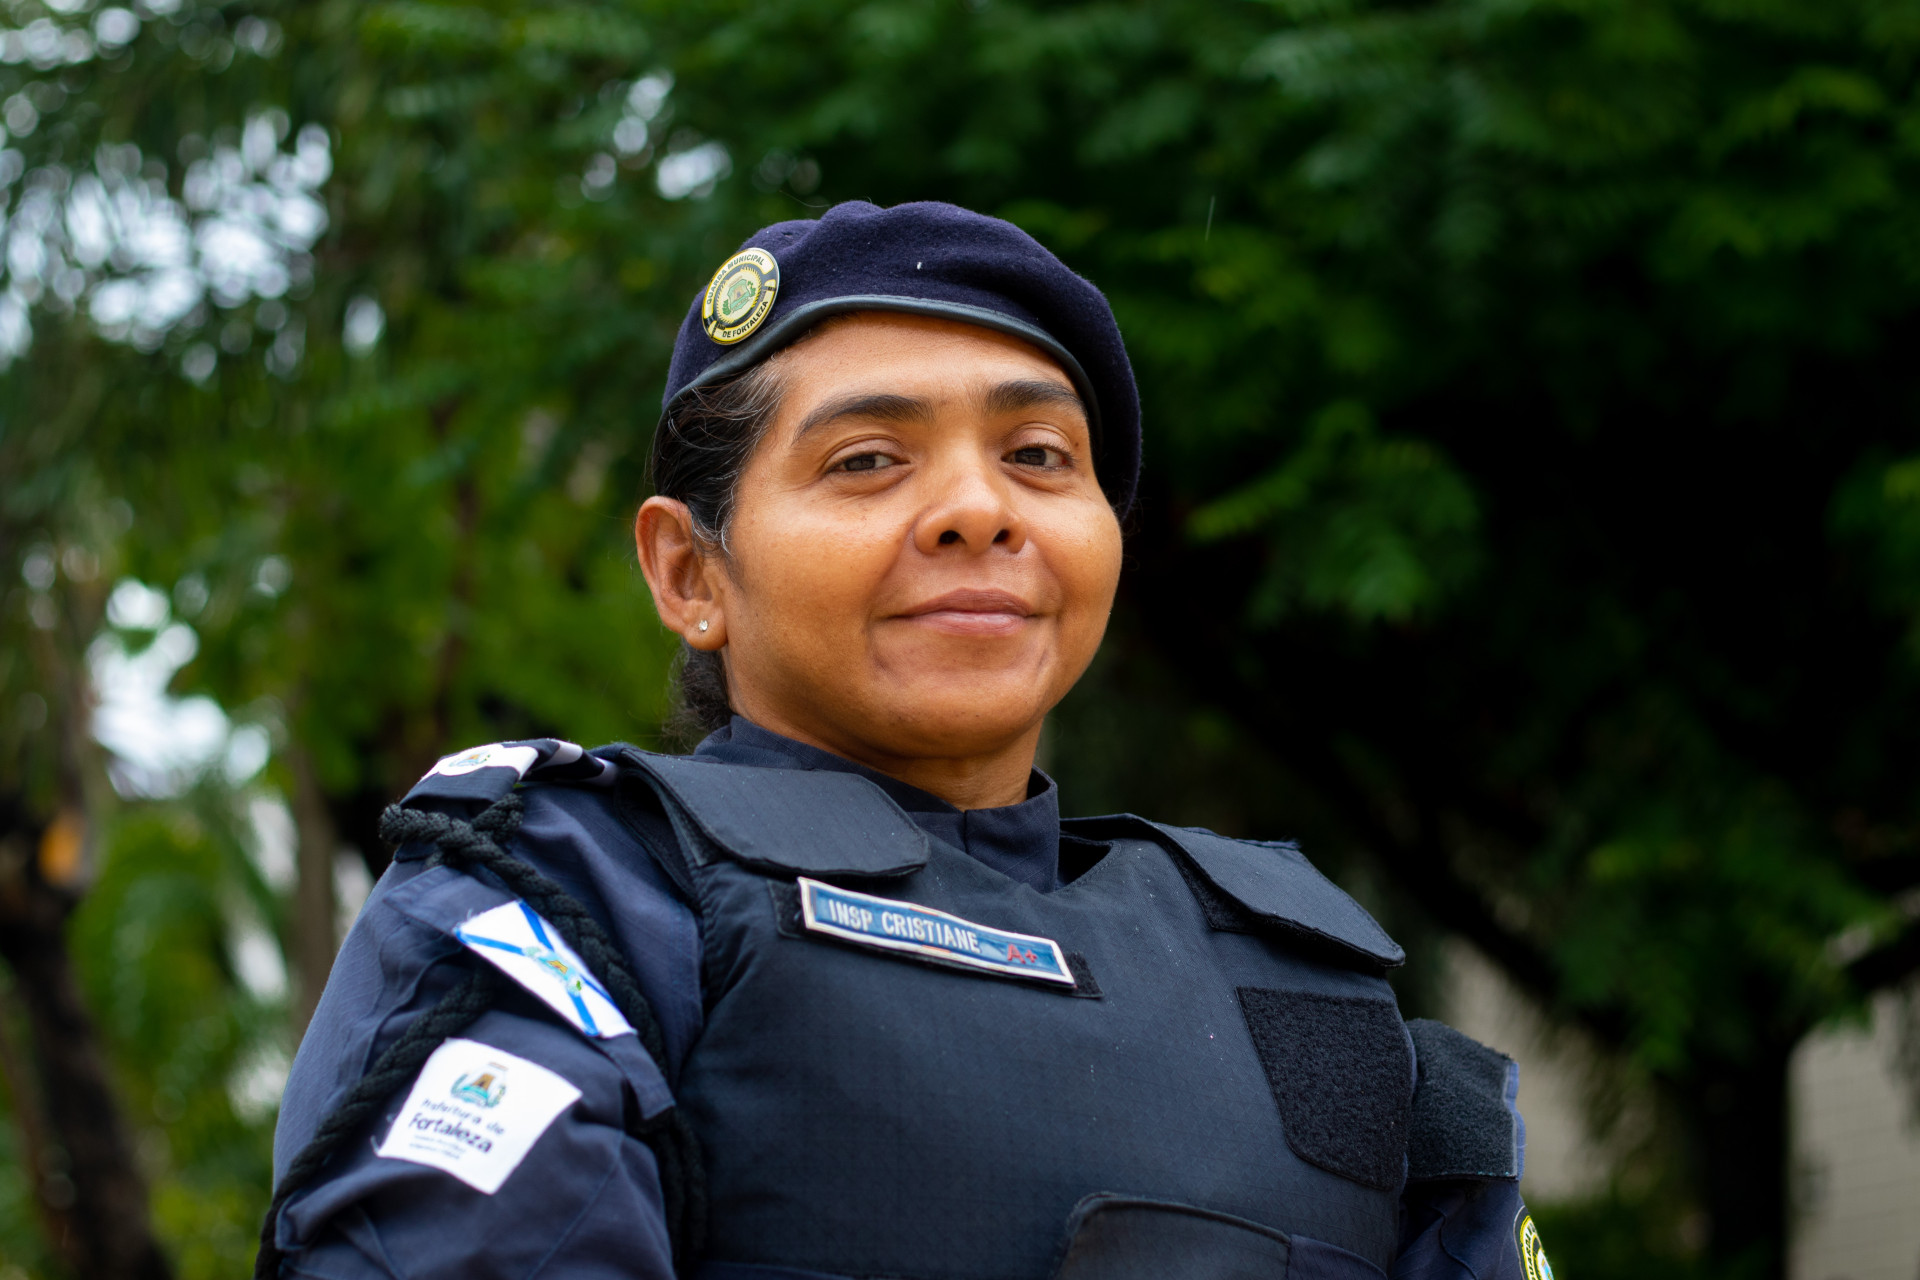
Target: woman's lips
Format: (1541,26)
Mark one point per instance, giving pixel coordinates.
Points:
(971,613)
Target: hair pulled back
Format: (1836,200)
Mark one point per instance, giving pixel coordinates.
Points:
(700,451)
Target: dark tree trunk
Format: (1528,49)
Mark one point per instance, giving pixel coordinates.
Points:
(1742,1146)
(314,925)
(90,1190)
(357,818)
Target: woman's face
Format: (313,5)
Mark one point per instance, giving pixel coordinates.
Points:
(921,559)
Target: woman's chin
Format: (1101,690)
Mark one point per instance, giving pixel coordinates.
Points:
(965,715)
(958,698)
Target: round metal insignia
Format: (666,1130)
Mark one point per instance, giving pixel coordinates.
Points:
(1533,1258)
(740,296)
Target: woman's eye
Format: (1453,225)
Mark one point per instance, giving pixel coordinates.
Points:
(1038,455)
(865,462)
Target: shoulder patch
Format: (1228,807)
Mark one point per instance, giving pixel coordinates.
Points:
(515,940)
(489,773)
(475,1111)
(1533,1255)
(1464,1123)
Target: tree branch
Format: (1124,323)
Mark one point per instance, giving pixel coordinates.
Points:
(313,928)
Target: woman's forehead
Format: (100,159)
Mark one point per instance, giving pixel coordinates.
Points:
(888,351)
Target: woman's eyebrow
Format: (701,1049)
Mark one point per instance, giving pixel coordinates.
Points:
(881,408)
(1004,397)
(1030,393)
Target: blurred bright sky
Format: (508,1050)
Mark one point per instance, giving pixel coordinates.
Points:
(161,744)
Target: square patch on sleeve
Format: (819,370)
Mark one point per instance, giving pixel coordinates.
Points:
(475,1111)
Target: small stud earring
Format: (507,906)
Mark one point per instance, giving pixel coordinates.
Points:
(703,624)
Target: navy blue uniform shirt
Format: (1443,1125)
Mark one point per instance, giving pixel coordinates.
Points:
(585,1199)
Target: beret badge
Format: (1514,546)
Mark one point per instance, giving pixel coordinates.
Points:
(740,296)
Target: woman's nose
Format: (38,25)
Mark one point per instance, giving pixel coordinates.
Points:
(971,508)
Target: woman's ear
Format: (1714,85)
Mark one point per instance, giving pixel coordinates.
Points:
(683,574)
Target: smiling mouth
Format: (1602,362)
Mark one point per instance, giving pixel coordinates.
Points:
(969,612)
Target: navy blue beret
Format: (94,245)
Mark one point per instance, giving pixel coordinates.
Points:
(928,259)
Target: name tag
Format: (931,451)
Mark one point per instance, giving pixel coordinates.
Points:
(902,926)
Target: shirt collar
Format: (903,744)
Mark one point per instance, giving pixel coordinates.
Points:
(1021,841)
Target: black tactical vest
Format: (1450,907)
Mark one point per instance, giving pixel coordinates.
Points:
(1204,1075)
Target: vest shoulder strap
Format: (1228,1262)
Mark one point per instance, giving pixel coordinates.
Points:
(788,821)
(1271,881)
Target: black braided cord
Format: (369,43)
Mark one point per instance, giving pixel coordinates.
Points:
(400,1063)
(481,843)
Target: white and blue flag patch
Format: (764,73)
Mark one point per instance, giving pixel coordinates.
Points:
(525,948)
(891,925)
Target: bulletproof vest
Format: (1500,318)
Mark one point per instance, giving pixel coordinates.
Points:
(1185,1062)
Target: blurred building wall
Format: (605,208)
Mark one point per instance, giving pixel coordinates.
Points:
(1563,1162)
(1857,1166)
(1857,1140)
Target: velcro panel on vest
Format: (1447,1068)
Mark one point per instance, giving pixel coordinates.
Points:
(1284,891)
(798,821)
(1112,1237)
(1464,1124)
(1342,1075)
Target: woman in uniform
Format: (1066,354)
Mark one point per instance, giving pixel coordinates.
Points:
(840,994)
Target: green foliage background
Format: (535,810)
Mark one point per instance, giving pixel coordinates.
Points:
(1532,516)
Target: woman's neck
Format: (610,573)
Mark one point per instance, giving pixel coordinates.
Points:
(983,780)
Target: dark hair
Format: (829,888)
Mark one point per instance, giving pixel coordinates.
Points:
(700,450)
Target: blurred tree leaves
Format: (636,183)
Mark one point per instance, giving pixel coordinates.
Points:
(155,943)
(1370,528)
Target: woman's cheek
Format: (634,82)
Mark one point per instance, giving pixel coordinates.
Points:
(1090,568)
(826,578)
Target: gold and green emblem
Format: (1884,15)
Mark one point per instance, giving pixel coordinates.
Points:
(740,296)
(1533,1257)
